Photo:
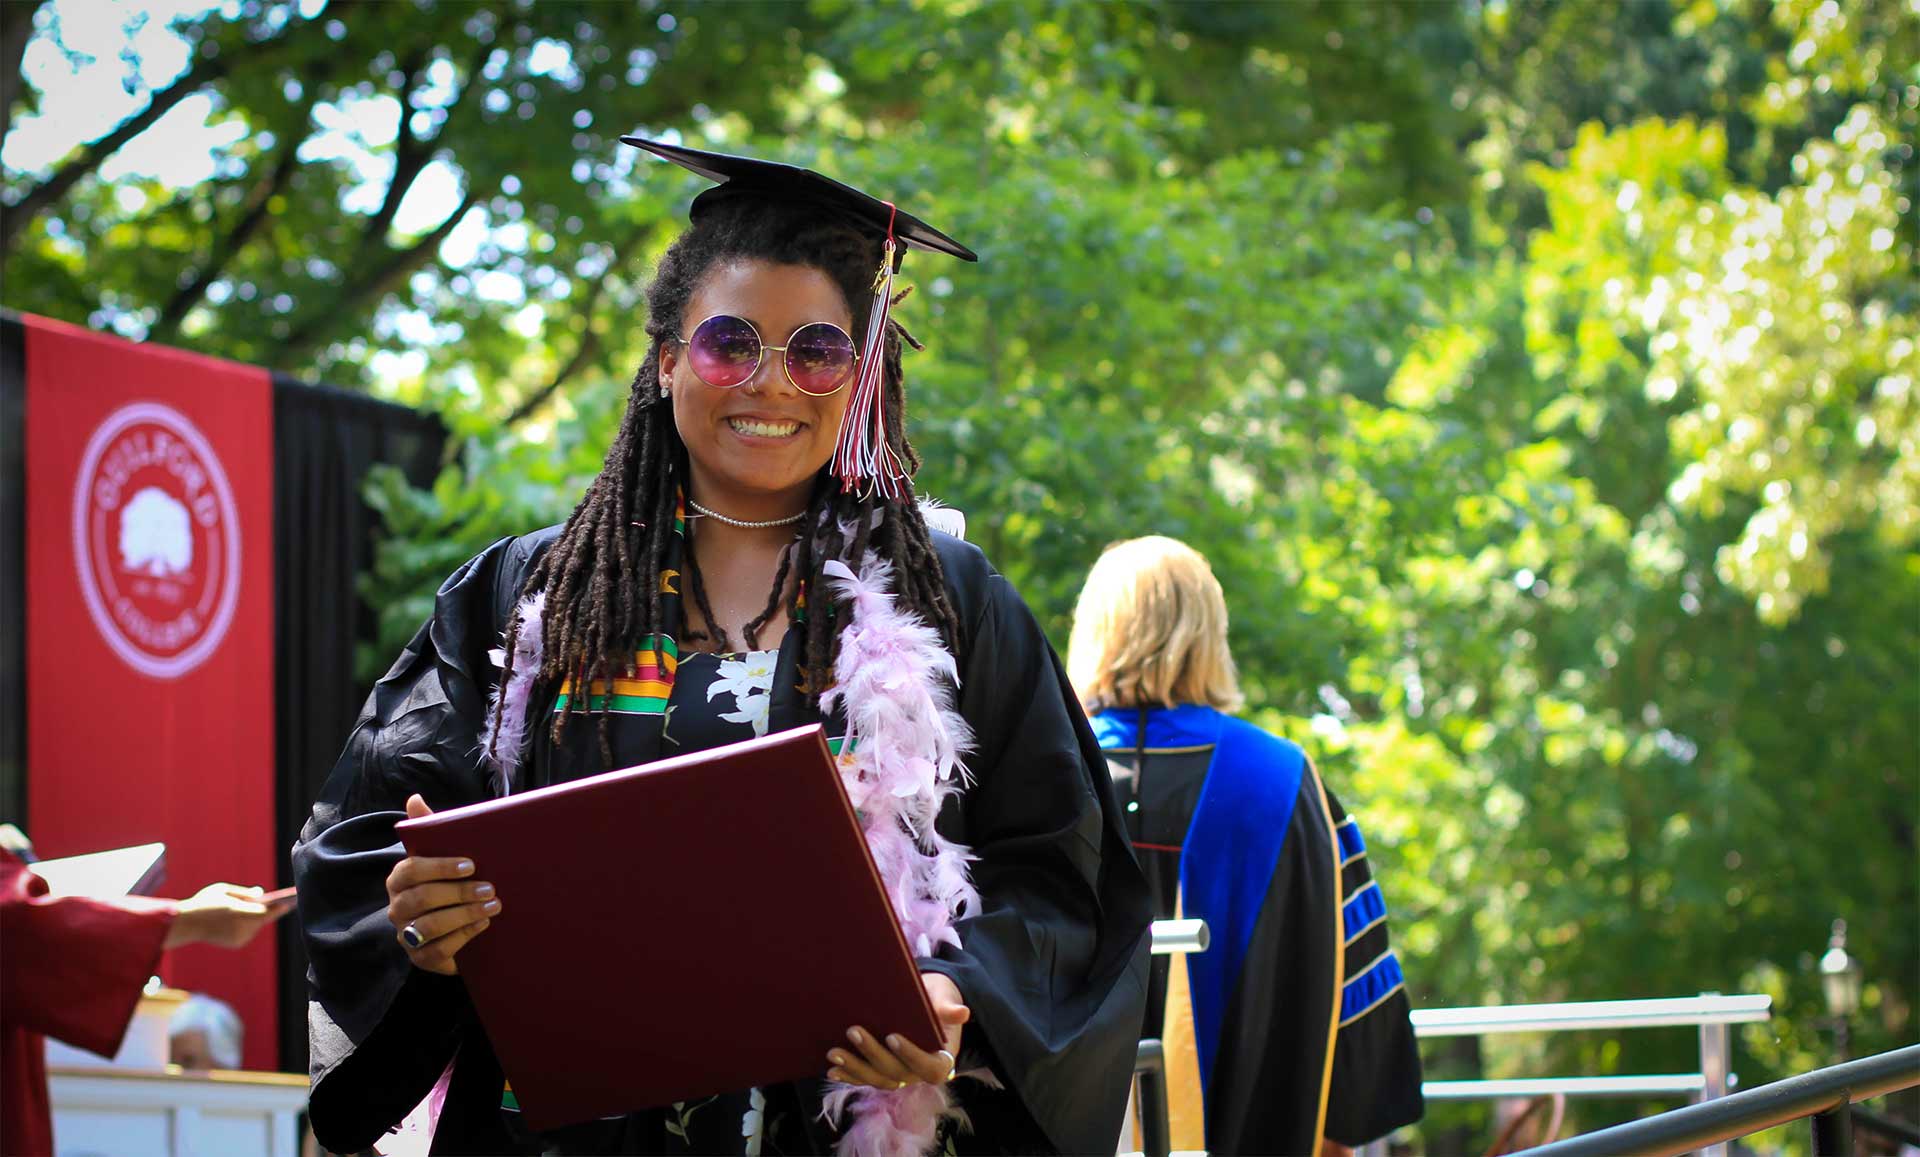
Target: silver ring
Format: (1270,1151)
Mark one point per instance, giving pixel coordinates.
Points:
(410,936)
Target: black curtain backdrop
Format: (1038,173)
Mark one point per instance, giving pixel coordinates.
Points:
(324,442)
(13,572)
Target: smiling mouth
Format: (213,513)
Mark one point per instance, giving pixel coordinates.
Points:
(761,428)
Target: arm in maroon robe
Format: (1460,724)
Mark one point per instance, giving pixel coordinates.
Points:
(72,968)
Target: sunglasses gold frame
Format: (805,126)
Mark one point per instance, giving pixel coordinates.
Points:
(853,368)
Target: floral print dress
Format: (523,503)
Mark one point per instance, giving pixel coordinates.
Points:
(719,699)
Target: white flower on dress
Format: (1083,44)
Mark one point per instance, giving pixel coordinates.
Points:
(749,679)
(750,674)
(753,1126)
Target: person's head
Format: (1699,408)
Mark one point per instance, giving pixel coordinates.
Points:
(204,1033)
(756,450)
(1150,630)
(789,273)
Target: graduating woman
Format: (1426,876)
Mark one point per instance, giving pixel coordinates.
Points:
(750,559)
(1290,1034)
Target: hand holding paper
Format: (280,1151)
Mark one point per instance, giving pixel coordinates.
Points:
(897,1061)
(434,907)
(223,915)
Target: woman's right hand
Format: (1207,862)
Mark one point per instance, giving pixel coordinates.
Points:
(434,906)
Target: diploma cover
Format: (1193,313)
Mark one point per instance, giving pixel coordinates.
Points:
(698,925)
(135,871)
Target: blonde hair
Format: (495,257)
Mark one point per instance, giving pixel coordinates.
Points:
(1150,629)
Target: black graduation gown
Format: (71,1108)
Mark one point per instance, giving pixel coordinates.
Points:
(1270,1079)
(1053,966)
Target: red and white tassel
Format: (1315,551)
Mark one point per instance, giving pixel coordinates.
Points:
(863,456)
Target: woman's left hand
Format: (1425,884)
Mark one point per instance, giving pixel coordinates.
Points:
(897,1062)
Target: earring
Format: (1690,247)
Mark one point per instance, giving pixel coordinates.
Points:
(665,390)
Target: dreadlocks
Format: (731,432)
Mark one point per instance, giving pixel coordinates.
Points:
(602,574)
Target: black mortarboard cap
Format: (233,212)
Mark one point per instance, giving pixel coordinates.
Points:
(750,176)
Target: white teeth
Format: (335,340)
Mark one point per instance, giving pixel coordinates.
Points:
(763,429)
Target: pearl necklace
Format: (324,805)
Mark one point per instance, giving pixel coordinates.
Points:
(742,523)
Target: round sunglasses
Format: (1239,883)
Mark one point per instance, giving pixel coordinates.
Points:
(725,352)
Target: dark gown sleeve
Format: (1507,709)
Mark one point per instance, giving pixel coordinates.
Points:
(380,1031)
(1376,1058)
(1054,965)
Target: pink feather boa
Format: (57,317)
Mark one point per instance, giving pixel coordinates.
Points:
(906,740)
(895,682)
(502,748)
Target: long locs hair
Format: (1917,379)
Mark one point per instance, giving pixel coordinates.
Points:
(603,574)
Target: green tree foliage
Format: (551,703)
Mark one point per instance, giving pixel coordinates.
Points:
(1539,377)
(298,253)
(1692,729)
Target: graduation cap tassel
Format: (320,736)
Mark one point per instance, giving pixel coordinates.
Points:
(863,455)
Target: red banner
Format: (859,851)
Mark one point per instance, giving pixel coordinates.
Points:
(150,626)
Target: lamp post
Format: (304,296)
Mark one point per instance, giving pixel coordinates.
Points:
(1840,982)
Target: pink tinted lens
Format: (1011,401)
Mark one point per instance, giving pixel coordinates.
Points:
(819,357)
(724,351)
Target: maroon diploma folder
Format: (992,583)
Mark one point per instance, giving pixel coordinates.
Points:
(699,925)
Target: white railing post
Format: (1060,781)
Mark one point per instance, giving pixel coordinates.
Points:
(1716,1056)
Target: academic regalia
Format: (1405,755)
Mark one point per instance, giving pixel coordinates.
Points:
(1053,966)
(71,968)
(1234,826)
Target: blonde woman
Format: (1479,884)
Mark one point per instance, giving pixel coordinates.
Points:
(1290,1034)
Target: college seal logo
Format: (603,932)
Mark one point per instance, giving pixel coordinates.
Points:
(156,538)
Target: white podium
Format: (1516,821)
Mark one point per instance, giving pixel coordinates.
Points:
(119,1112)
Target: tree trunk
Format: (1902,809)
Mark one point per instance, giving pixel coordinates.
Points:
(16,28)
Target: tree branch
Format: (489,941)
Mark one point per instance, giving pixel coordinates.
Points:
(590,343)
(254,215)
(412,152)
(588,348)
(205,71)
(356,298)
(474,79)
(410,158)
(308,335)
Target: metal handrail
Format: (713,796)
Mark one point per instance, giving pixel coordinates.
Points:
(1891,1128)
(1740,1114)
(1637,1085)
(1709,1013)
(1592,1014)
